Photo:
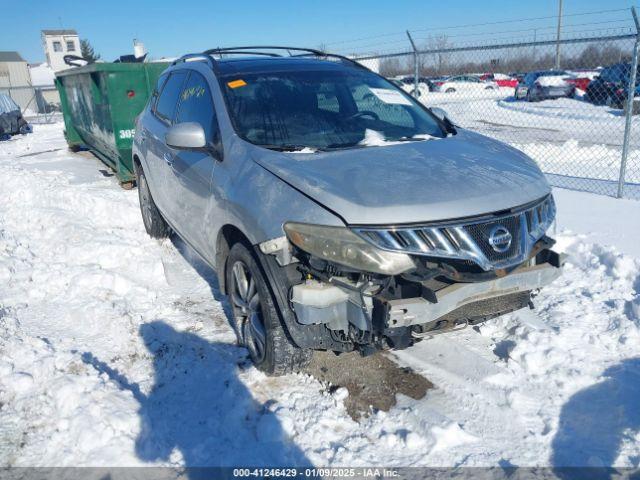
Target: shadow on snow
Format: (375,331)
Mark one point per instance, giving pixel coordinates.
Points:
(596,421)
(198,406)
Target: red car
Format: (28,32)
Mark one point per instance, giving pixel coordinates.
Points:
(580,82)
(501,79)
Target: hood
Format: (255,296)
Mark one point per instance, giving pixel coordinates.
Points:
(462,175)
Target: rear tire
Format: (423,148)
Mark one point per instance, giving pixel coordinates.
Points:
(256,319)
(154,224)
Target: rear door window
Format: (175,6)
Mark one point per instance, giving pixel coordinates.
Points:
(168,99)
(157,89)
(196,105)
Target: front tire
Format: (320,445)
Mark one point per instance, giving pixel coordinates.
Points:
(256,319)
(154,224)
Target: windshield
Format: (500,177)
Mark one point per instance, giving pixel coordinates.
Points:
(323,110)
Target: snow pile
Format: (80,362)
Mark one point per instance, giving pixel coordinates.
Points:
(551,81)
(116,350)
(541,394)
(304,150)
(373,138)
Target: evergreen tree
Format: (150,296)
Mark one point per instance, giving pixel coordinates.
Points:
(87,52)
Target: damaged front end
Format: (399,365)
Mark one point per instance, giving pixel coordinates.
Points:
(369,287)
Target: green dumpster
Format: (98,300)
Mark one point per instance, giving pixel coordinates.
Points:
(100,103)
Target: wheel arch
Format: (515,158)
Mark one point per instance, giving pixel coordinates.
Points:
(228,236)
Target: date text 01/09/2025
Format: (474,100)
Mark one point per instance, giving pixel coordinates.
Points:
(315,472)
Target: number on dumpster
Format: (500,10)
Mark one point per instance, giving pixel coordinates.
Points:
(127,133)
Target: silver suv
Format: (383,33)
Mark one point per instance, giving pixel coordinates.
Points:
(339,213)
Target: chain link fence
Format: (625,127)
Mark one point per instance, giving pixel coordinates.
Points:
(34,99)
(566,103)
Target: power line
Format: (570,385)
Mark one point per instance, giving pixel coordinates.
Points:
(566,29)
(575,35)
(598,12)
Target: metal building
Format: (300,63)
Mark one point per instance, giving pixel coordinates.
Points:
(15,79)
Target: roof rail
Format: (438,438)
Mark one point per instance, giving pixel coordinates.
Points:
(234,50)
(200,56)
(258,50)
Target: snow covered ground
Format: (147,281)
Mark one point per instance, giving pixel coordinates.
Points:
(115,348)
(576,141)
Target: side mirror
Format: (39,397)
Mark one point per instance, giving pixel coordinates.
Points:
(440,113)
(187,135)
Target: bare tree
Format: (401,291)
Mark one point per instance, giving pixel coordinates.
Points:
(441,59)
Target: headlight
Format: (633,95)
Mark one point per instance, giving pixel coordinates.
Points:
(541,217)
(341,245)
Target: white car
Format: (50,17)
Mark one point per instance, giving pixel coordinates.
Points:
(423,88)
(464,83)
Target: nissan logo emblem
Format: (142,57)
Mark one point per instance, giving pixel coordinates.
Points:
(500,239)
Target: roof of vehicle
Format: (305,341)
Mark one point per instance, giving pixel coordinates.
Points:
(549,72)
(243,65)
(618,66)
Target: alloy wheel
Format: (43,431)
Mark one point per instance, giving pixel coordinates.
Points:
(248,312)
(145,200)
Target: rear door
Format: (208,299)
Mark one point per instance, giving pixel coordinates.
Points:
(189,181)
(160,156)
(148,148)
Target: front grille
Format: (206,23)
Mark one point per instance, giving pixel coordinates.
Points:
(483,241)
(480,233)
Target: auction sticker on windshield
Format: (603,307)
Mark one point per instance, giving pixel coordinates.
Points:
(390,96)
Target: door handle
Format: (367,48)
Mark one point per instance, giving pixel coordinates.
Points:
(167,158)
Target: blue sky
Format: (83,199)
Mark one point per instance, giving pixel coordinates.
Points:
(171,28)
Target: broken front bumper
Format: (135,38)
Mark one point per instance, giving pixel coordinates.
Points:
(414,311)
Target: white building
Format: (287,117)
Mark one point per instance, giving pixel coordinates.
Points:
(57,44)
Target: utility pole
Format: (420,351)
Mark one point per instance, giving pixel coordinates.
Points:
(558,35)
(535,38)
(416,73)
(629,107)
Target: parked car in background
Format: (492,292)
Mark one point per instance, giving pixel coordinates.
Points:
(423,82)
(518,76)
(464,83)
(543,85)
(501,79)
(409,87)
(11,119)
(339,213)
(582,78)
(610,87)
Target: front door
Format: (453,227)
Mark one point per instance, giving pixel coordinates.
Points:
(189,181)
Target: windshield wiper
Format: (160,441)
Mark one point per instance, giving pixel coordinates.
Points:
(410,139)
(340,146)
(285,148)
